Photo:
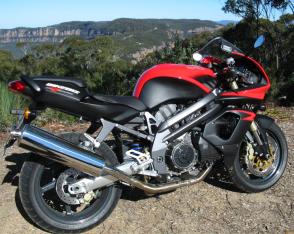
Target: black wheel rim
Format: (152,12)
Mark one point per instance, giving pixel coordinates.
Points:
(54,207)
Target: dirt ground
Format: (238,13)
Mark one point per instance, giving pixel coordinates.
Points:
(208,207)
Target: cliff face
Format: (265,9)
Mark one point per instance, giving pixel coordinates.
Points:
(88,30)
(47,34)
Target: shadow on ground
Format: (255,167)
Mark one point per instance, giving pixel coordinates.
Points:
(14,169)
(218,177)
(15,163)
(134,194)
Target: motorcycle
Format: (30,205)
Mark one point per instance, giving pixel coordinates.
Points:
(180,121)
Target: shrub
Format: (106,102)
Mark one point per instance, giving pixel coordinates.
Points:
(8,101)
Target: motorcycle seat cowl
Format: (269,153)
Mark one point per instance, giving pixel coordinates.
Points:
(129,101)
(38,82)
(66,80)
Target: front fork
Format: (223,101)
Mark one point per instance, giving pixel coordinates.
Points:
(261,147)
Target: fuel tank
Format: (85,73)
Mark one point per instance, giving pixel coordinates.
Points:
(167,83)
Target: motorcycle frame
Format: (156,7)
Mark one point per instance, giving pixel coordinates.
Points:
(215,103)
(165,135)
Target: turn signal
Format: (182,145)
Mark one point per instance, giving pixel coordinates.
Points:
(17,86)
(26,114)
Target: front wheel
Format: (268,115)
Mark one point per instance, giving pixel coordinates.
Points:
(251,173)
(46,200)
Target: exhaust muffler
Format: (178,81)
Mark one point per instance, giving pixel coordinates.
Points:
(57,149)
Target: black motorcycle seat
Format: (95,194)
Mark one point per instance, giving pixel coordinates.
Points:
(65,80)
(129,101)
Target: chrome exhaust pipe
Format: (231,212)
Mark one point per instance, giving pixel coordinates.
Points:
(153,189)
(57,149)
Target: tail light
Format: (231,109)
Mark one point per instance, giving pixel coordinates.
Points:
(17,86)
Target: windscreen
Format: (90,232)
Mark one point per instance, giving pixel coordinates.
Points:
(219,47)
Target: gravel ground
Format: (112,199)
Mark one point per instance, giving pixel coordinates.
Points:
(208,207)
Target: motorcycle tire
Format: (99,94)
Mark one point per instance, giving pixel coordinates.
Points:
(255,184)
(53,221)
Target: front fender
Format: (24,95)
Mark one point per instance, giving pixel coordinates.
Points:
(264,120)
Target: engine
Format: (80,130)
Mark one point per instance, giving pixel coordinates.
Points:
(181,155)
(165,112)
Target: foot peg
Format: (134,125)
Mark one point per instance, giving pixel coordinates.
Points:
(138,156)
(92,140)
(142,159)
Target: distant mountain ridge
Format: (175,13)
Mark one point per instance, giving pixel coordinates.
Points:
(91,29)
(133,38)
(226,22)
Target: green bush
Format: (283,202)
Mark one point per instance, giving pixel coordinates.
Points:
(51,116)
(8,101)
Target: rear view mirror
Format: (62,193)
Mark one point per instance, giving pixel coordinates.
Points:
(259,41)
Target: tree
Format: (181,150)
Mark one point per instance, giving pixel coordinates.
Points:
(256,9)
(24,46)
(259,17)
(9,67)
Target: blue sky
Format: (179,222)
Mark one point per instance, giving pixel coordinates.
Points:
(34,13)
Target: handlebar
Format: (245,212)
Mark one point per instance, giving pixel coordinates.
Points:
(238,73)
(227,66)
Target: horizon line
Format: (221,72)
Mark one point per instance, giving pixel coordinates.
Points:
(96,21)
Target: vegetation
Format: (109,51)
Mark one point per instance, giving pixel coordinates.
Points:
(277,54)
(129,35)
(96,61)
(8,101)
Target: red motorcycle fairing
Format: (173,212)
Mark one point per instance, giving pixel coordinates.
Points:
(254,92)
(195,75)
(250,115)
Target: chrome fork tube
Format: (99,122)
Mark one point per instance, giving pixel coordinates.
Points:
(254,130)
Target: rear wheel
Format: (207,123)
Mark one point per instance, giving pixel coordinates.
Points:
(46,200)
(251,173)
